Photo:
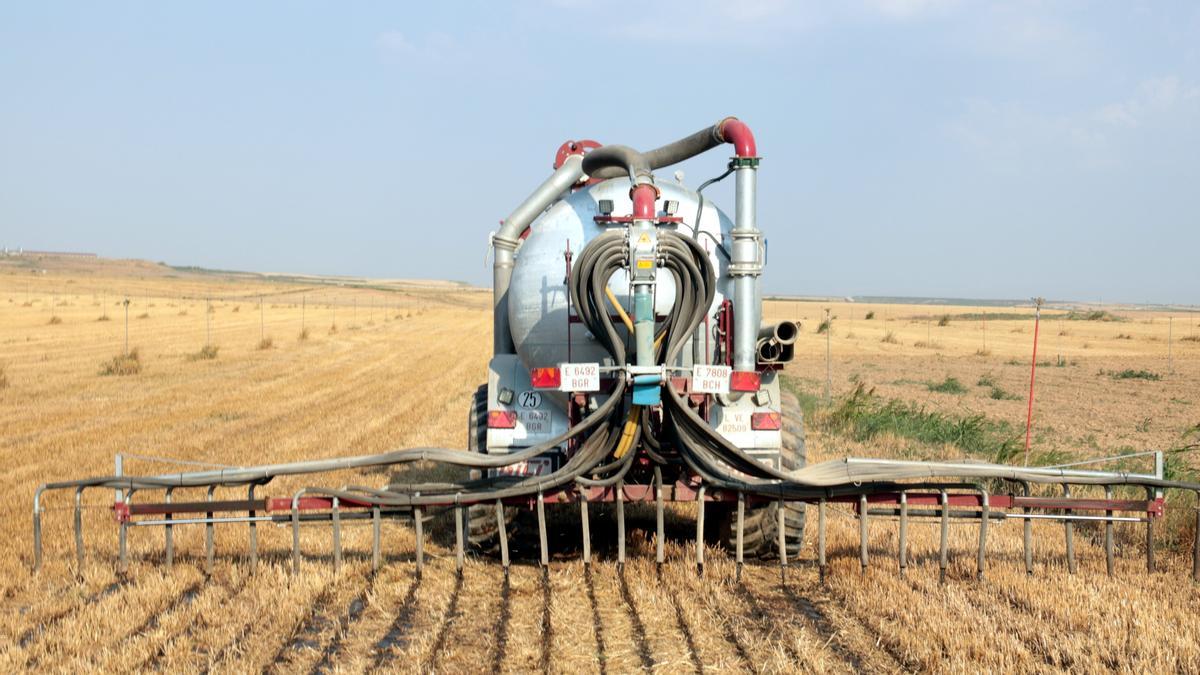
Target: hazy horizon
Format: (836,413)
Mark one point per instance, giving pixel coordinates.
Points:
(916,148)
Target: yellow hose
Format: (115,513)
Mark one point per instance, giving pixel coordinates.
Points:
(628,431)
(612,298)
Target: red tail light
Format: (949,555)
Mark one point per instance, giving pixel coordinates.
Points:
(744,380)
(768,421)
(545,378)
(502,419)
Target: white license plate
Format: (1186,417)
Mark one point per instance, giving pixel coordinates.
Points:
(580,376)
(534,467)
(710,379)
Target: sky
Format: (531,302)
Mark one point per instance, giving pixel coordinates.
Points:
(910,147)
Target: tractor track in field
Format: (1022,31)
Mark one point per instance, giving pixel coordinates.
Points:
(307,625)
(882,647)
(635,621)
(597,624)
(731,637)
(58,617)
(447,622)
(397,634)
(504,615)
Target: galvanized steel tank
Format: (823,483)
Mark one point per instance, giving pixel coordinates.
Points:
(538,297)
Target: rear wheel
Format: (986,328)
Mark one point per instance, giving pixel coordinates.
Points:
(483,533)
(760,534)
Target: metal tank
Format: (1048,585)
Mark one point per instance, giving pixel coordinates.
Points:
(538,298)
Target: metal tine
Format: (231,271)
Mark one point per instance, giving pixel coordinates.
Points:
(660,529)
(700,531)
(168,534)
(124,537)
(296,532)
(208,536)
(1027,534)
(821,539)
(337,535)
(781,524)
(458,538)
(862,530)
(1070,530)
(587,530)
(37,529)
(1150,566)
(541,516)
(419,526)
(375,538)
(741,525)
(903,552)
(503,536)
(1109,552)
(983,528)
(253,530)
(79,528)
(944,561)
(620,525)
(1196,544)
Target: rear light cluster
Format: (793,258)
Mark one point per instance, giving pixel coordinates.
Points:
(545,378)
(744,380)
(768,421)
(502,419)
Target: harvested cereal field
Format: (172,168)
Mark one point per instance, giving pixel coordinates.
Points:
(303,369)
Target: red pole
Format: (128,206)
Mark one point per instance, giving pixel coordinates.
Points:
(1037,318)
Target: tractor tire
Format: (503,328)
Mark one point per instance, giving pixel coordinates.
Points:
(483,534)
(760,535)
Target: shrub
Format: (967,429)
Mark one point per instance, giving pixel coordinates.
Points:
(944,321)
(1094,315)
(986,380)
(206,353)
(999,394)
(950,385)
(123,364)
(890,338)
(54,321)
(870,315)
(1190,338)
(266,343)
(824,327)
(1131,374)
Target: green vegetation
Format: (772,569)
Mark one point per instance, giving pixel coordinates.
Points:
(206,353)
(824,327)
(1131,374)
(123,364)
(950,385)
(870,315)
(986,380)
(1093,315)
(999,394)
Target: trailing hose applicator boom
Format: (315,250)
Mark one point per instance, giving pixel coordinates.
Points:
(629,363)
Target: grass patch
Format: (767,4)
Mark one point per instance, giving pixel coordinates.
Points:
(999,394)
(921,344)
(870,315)
(863,416)
(950,385)
(1131,374)
(983,352)
(103,317)
(54,321)
(889,338)
(303,334)
(823,327)
(1093,315)
(944,320)
(265,343)
(1190,338)
(1124,336)
(206,353)
(123,364)
(986,380)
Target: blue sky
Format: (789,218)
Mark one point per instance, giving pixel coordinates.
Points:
(911,147)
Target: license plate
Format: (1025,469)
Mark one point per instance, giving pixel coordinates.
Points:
(710,379)
(580,376)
